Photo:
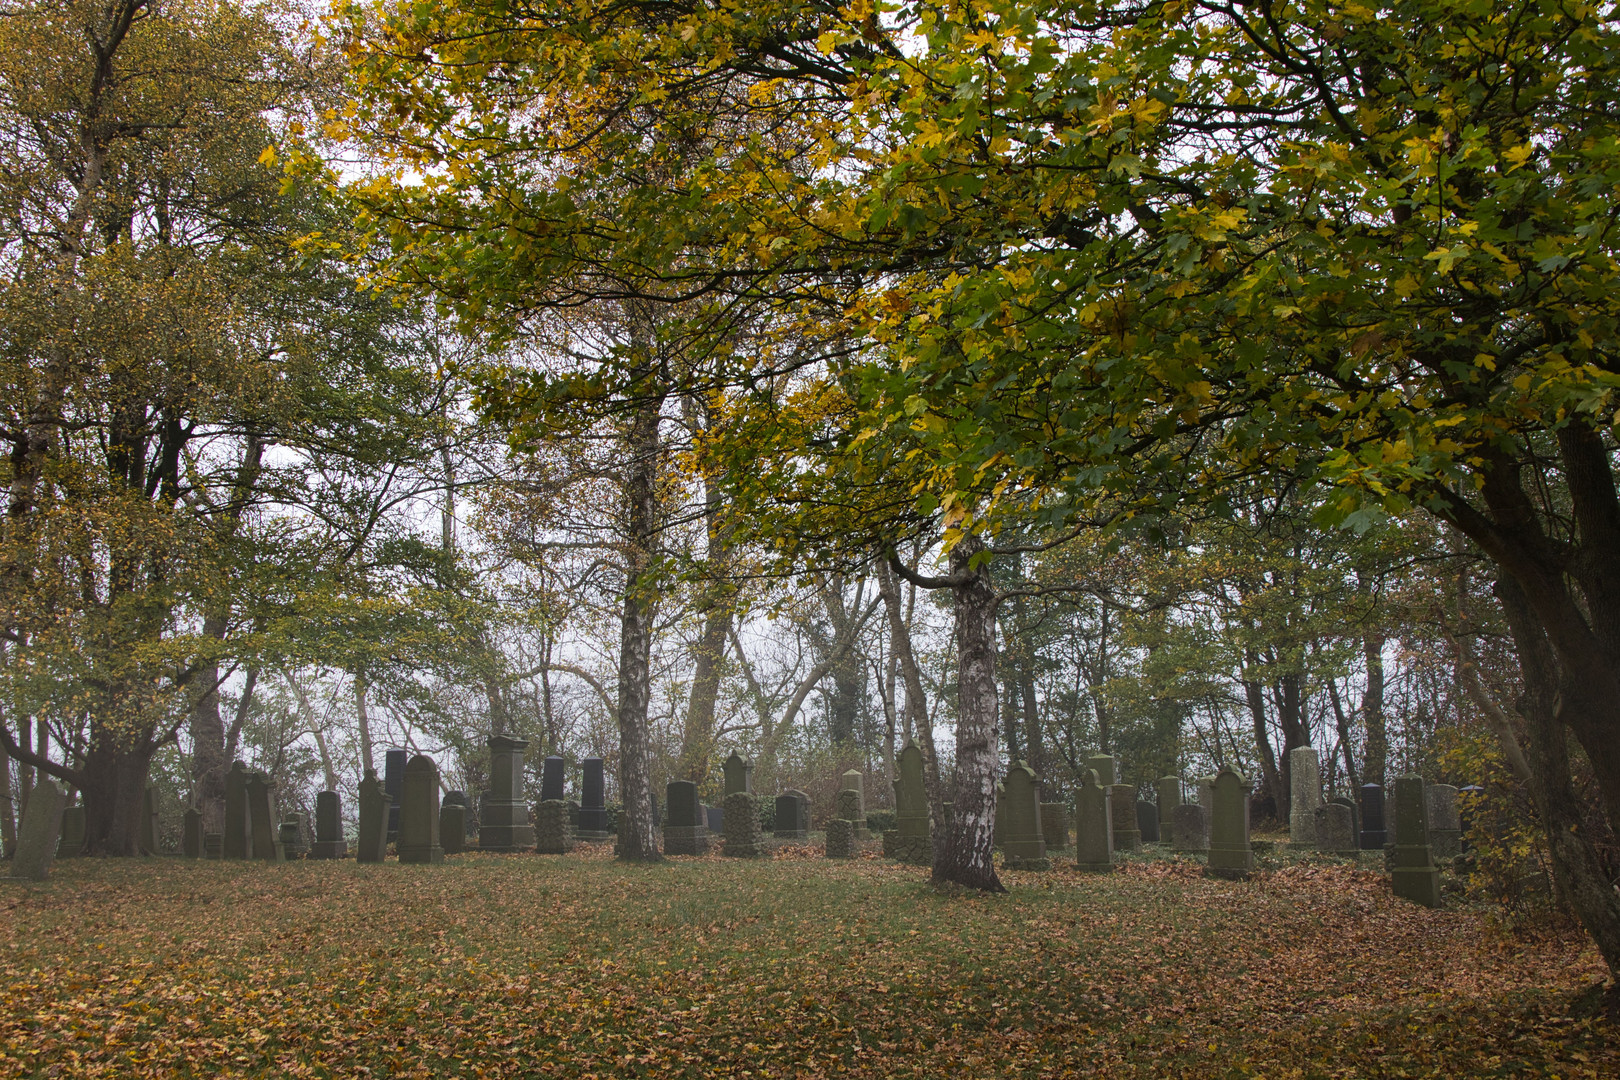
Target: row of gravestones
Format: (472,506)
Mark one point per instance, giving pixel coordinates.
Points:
(1345,825)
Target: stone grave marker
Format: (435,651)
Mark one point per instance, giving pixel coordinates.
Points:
(1304,795)
(1055,826)
(292,836)
(593,801)
(374,815)
(329,841)
(715,818)
(191,834)
(1230,856)
(1127,837)
(149,822)
(1335,830)
(1093,825)
(1189,829)
(1392,821)
(40,832)
(686,832)
(854,781)
(1373,836)
(1147,821)
(1106,766)
(744,839)
(1416,878)
(503,820)
(262,814)
(840,838)
(453,826)
(469,819)
(553,827)
(1445,826)
(739,774)
(1023,847)
(213,845)
(1168,790)
(792,815)
(910,841)
(1206,799)
(1355,815)
(553,779)
(72,842)
(419,816)
(238,839)
(848,806)
(394,783)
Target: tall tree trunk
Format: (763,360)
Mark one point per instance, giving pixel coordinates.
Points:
(1255,695)
(967,856)
(916,712)
(363,716)
(637,841)
(1291,720)
(208,762)
(1375,763)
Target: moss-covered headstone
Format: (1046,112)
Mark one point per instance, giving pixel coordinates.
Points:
(1189,829)
(1168,790)
(1416,878)
(1127,837)
(1023,847)
(374,814)
(1093,825)
(453,827)
(40,832)
(840,838)
(1230,856)
(1335,830)
(855,782)
(739,774)
(262,817)
(238,840)
(419,813)
(1445,825)
(72,842)
(1055,826)
(744,837)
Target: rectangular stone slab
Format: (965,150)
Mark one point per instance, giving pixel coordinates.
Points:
(40,831)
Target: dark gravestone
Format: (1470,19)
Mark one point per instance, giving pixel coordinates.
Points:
(292,837)
(553,778)
(503,824)
(149,822)
(262,814)
(909,840)
(1055,826)
(744,837)
(1189,829)
(1093,825)
(1230,855)
(1373,835)
(1355,815)
(739,774)
(1336,830)
(715,817)
(792,816)
(453,827)
(1147,821)
(374,815)
(238,840)
(469,825)
(553,826)
(393,783)
(840,838)
(329,842)
(213,845)
(593,801)
(72,842)
(191,838)
(1022,845)
(1416,878)
(40,833)
(1127,836)
(419,814)
(1392,820)
(686,832)
(1168,791)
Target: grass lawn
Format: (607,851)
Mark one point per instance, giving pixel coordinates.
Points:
(797,966)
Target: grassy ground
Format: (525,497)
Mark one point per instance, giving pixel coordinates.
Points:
(794,967)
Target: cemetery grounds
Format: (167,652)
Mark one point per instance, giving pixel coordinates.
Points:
(793,966)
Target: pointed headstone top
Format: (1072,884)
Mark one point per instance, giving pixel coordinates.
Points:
(739,774)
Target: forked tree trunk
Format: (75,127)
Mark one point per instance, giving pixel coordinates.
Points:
(114,795)
(966,859)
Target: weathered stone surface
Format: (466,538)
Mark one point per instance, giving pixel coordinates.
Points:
(1304,795)
(213,845)
(792,815)
(744,838)
(503,820)
(238,840)
(1093,825)
(715,816)
(1147,821)
(1392,820)
(553,827)
(911,795)
(1355,815)
(1106,766)
(1416,878)
(553,779)
(191,830)
(261,791)
(739,774)
(373,823)
(593,801)
(72,842)
(291,835)
(840,839)
(687,830)
(1445,826)
(1335,830)
(1127,837)
(394,762)
(1373,834)
(419,815)
(1168,790)
(854,781)
(1055,826)
(453,827)
(329,841)
(40,832)
(1229,853)
(1189,829)
(149,822)
(1022,845)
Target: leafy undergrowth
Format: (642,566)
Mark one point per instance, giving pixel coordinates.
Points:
(578,966)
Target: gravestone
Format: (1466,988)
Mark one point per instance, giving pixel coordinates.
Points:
(261,792)
(792,815)
(739,774)
(374,815)
(1416,878)
(1106,766)
(1147,821)
(1445,827)
(1206,799)
(553,779)
(840,838)
(1189,829)
(393,783)
(1355,815)
(553,827)
(453,827)
(687,831)
(292,837)
(72,842)
(469,819)
(149,822)
(1093,825)
(854,781)
(1335,830)
(909,841)
(1230,856)
(213,845)
(329,842)
(1392,821)
(744,837)
(191,839)
(715,817)
(1304,795)
(1023,847)
(1127,837)
(238,840)
(1373,835)
(1168,789)
(503,821)
(1055,826)
(592,802)
(40,832)
(419,815)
